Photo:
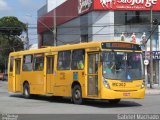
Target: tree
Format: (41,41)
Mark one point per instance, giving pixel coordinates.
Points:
(11,26)
(10,30)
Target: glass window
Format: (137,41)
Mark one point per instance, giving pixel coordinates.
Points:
(50,64)
(92,85)
(38,62)
(11,64)
(64,59)
(93,63)
(27,63)
(78,59)
(125,66)
(18,66)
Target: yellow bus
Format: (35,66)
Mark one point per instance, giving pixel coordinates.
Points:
(105,70)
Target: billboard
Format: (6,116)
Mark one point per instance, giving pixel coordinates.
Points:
(126,5)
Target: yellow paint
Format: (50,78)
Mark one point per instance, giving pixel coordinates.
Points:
(59,82)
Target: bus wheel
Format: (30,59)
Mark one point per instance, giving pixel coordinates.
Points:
(77,95)
(115,101)
(26,91)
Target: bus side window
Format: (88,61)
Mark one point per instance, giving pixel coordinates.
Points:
(38,62)
(78,59)
(27,62)
(64,60)
(11,64)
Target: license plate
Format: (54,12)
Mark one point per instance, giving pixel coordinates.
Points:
(126,94)
(119,84)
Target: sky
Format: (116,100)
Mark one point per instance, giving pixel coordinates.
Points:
(25,11)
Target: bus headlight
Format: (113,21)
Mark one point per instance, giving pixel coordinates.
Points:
(143,84)
(106,84)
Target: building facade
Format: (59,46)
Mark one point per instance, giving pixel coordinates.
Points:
(74,21)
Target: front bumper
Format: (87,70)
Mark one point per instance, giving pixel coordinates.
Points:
(111,94)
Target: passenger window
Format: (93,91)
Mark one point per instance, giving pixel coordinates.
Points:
(64,59)
(11,64)
(38,62)
(27,63)
(78,59)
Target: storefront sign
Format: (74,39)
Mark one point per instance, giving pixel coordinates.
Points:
(126,4)
(146,3)
(155,55)
(74,8)
(84,5)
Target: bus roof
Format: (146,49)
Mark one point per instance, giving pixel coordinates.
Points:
(92,44)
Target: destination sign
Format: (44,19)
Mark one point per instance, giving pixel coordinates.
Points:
(120,46)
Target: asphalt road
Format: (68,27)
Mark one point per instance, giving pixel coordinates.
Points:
(16,104)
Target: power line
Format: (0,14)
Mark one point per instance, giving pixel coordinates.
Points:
(102,26)
(80,26)
(129,14)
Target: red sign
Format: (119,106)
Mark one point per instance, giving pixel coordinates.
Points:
(126,5)
(73,8)
(84,5)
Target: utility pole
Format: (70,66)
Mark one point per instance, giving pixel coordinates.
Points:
(55,27)
(145,47)
(27,38)
(151,49)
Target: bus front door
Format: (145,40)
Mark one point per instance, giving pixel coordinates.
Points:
(17,74)
(93,74)
(49,74)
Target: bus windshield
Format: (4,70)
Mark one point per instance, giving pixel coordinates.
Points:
(122,65)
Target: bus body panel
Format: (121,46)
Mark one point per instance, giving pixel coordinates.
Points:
(50,72)
(17,75)
(10,77)
(111,94)
(118,85)
(123,90)
(11,83)
(35,80)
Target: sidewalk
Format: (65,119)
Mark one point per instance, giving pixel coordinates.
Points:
(154,91)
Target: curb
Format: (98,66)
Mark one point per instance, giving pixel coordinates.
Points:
(152,92)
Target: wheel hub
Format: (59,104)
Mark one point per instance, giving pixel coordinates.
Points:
(26,92)
(77,94)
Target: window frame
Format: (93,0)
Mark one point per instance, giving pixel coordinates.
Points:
(38,55)
(51,57)
(83,50)
(24,63)
(11,64)
(58,60)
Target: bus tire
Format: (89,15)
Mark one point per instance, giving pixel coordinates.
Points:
(77,95)
(26,91)
(114,101)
